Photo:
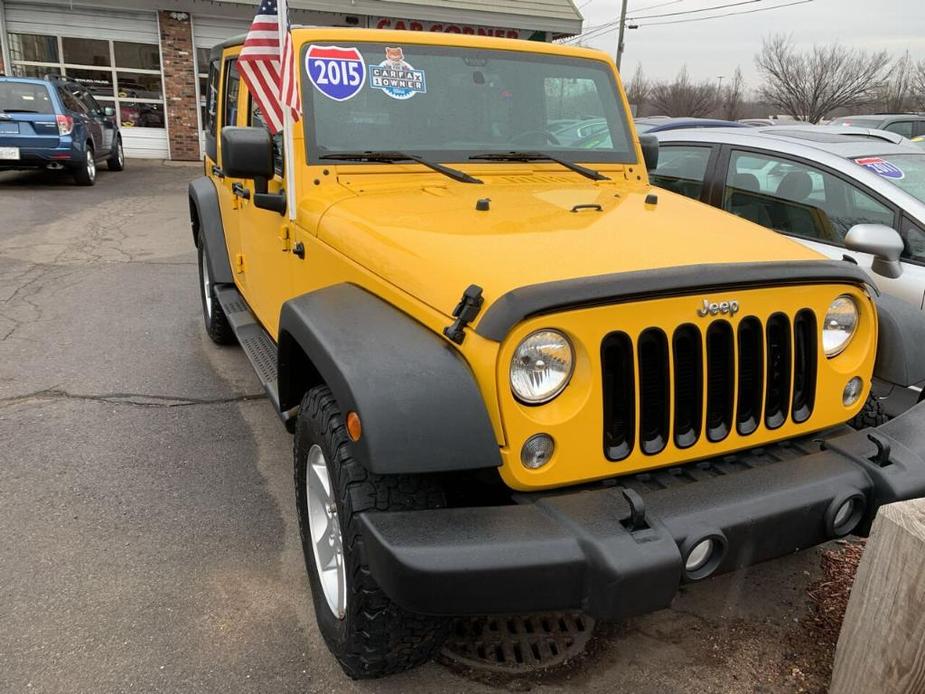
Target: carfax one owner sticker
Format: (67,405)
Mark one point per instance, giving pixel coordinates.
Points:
(396,77)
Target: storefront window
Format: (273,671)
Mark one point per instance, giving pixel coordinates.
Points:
(144,56)
(122,74)
(133,85)
(33,48)
(85,51)
(99,82)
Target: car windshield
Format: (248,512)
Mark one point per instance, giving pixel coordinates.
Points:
(449,103)
(25,97)
(906,171)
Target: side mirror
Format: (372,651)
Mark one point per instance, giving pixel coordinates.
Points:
(248,153)
(649,145)
(109,111)
(880,241)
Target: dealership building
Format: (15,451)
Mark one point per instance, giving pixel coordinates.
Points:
(148,59)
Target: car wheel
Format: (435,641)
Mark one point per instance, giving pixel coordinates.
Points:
(217,326)
(85,173)
(117,161)
(871,415)
(369,634)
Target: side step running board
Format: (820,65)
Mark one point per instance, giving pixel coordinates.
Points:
(257,344)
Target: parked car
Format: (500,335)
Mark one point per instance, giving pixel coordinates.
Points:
(55,123)
(905,124)
(657,125)
(478,347)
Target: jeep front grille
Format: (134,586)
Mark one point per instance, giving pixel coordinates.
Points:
(706,383)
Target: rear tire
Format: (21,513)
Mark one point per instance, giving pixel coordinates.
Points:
(369,634)
(85,173)
(117,161)
(217,326)
(871,415)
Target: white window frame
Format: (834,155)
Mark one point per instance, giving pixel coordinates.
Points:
(61,67)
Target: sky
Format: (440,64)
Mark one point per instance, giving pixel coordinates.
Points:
(715,47)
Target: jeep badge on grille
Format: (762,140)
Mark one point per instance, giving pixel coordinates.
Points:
(716,307)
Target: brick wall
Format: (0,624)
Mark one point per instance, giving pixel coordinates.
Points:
(179,86)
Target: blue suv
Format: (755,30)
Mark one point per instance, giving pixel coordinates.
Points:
(55,123)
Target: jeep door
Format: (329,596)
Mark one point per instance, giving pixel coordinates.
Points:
(264,235)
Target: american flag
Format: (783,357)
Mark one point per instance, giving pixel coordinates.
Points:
(270,79)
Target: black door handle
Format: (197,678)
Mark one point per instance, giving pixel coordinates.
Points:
(217,171)
(240,191)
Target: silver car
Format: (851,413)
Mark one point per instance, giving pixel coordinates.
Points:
(841,191)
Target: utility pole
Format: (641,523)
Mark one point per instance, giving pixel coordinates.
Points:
(622,30)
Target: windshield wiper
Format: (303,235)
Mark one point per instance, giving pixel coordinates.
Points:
(539,156)
(19,110)
(392,157)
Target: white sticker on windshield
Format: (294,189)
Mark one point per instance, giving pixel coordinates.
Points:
(396,77)
(882,167)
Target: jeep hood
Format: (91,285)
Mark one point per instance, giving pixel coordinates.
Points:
(432,242)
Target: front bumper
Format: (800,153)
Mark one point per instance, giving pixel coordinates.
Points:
(581,550)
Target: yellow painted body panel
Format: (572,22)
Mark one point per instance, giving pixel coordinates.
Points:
(414,238)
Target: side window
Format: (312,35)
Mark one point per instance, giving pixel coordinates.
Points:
(71,103)
(797,198)
(255,119)
(903,128)
(919,128)
(89,102)
(232,86)
(914,236)
(681,169)
(211,121)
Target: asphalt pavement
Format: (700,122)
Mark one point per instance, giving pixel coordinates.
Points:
(148,538)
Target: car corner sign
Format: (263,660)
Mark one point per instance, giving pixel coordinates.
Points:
(454,28)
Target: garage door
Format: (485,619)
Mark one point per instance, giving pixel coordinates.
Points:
(115,53)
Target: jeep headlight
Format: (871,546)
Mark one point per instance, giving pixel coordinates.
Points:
(541,366)
(841,322)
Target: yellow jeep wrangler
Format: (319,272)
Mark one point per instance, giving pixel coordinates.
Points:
(520,378)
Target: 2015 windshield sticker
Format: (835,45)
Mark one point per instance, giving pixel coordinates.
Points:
(396,77)
(338,73)
(882,167)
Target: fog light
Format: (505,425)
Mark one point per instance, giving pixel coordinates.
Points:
(699,555)
(852,391)
(537,451)
(843,514)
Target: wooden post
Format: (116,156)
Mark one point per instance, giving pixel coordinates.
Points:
(881,647)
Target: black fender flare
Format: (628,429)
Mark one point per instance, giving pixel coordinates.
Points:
(419,405)
(206,219)
(900,342)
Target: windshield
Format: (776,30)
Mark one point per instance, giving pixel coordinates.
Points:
(907,171)
(447,103)
(25,97)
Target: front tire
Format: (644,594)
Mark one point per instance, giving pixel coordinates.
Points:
(85,173)
(217,326)
(369,634)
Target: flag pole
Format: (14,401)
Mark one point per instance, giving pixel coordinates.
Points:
(289,165)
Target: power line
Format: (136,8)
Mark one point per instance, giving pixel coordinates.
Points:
(601,29)
(652,7)
(725,14)
(703,9)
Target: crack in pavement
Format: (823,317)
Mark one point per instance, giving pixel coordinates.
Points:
(129,399)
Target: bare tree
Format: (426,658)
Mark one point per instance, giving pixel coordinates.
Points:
(682,97)
(638,89)
(918,86)
(895,95)
(810,85)
(732,97)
